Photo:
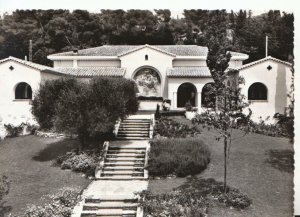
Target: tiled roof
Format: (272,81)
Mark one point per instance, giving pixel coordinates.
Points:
(93,71)
(27,63)
(117,50)
(263,60)
(200,72)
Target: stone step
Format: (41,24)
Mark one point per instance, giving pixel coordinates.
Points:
(114,151)
(123,147)
(121,173)
(123,164)
(108,212)
(125,155)
(109,205)
(132,135)
(135,123)
(134,126)
(133,132)
(121,178)
(130,159)
(132,129)
(123,168)
(106,200)
(131,138)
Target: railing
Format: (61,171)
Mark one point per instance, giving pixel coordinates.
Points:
(100,166)
(152,124)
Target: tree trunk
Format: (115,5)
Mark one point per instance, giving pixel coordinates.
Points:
(225,164)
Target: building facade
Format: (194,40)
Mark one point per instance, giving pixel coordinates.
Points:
(175,72)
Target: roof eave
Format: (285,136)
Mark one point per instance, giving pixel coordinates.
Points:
(53,58)
(190,58)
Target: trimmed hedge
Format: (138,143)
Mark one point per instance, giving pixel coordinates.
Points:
(180,157)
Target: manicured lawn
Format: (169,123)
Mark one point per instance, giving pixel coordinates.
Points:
(28,163)
(259,166)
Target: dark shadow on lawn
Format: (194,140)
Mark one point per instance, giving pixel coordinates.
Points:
(4,209)
(53,150)
(282,160)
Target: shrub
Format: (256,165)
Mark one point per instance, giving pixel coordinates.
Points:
(178,156)
(83,161)
(14,131)
(262,127)
(193,199)
(174,203)
(4,187)
(44,102)
(214,190)
(172,129)
(60,204)
(86,109)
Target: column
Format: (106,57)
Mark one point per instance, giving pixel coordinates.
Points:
(174,101)
(199,101)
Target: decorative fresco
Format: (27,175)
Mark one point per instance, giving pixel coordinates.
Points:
(148,82)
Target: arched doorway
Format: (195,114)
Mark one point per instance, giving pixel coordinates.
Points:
(148,82)
(186,94)
(208,99)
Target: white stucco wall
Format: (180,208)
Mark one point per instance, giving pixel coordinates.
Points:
(157,60)
(11,110)
(62,63)
(174,84)
(278,82)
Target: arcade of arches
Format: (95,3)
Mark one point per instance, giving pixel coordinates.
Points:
(187,93)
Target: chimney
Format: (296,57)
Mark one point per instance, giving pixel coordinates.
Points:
(75,51)
(266,46)
(30,50)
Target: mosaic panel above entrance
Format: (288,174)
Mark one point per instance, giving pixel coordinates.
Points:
(148,82)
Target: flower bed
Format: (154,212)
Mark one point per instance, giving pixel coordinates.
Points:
(193,199)
(80,161)
(181,157)
(166,127)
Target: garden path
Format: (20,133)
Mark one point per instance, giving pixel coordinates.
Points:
(121,176)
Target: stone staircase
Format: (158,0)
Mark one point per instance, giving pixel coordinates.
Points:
(110,208)
(121,172)
(124,163)
(134,129)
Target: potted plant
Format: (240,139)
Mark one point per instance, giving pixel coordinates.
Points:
(190,112)
(166,105)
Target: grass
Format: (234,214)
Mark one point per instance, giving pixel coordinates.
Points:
(249,170)
(28,163)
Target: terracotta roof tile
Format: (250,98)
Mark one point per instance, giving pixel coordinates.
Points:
(116,50)
(27,63)
(93,71)
(201,72)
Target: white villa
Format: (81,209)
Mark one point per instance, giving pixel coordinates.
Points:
(175,72)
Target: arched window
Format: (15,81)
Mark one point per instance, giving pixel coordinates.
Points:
(208,98)
(23,91)
(257,91)
(186,93)
(146,57)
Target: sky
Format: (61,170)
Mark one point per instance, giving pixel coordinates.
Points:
(176,7)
